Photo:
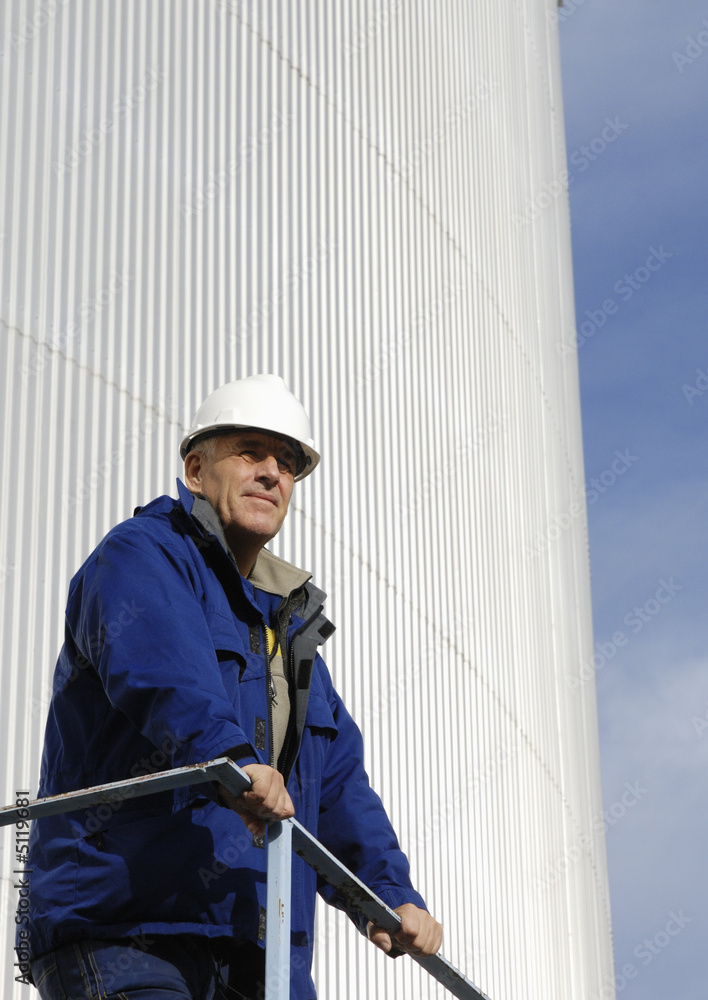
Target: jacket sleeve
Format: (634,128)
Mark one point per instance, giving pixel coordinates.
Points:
(353,823)
(137,617)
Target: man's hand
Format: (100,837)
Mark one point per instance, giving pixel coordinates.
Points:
(420,934)
(266,801)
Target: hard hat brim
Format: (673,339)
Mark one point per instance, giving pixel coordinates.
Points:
(312,457)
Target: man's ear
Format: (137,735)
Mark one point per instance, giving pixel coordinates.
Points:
(193,465)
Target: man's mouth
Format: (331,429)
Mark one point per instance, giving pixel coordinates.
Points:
(264,496)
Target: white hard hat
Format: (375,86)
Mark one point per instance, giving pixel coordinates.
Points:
(260,401)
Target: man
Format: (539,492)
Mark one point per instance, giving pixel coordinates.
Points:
(187,640)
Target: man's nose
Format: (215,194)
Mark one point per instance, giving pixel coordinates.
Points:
(269,469)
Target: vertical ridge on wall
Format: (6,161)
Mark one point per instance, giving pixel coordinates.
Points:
(356,197)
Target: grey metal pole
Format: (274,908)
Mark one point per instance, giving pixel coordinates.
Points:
(291,834)
(278,906)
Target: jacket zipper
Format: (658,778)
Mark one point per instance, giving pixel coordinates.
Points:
(284,753)
(270,692)
(291,725)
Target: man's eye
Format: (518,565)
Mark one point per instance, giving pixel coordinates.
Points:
(287,465)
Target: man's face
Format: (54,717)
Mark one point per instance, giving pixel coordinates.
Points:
(249,481)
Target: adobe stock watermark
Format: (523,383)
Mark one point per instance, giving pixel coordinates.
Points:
(375,24)
(428,656)
(233,6)
(22,875)
(625,287)
(432,821)
(6,570)
(109,632)
(594,489)
(112,974)
(97,818)
(696,45)
(562,13)
(494,423)
(125,954)
(230,853)
(580,159)
(390,352)
(86,313)
(635,621)
(93,138)
(248,149)
(295,277)
(698,388)
(128,612)
(461,628)
(700,723)
(102,470)
(30,26)
(632,793)
(452,119)
(645,953)
(556,870)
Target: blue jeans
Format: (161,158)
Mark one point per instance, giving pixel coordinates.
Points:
(167,967)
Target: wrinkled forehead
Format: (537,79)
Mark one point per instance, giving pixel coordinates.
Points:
(240,437)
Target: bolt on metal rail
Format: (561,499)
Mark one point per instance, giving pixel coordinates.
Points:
(282,839)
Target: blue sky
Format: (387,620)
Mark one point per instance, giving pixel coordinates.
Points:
(639,214)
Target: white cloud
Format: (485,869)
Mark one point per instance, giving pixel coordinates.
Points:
(655,740)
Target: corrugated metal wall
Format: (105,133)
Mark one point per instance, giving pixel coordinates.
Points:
(369,200)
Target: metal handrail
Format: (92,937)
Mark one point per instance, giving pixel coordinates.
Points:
(283,838)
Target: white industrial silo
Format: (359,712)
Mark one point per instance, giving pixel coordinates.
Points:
(371,201)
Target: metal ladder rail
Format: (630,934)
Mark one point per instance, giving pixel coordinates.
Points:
(283,838)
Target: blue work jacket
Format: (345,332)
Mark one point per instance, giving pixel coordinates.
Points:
(163,666)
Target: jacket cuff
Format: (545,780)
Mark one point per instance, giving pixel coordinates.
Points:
(242,754)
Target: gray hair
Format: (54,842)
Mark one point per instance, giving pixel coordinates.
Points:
(206,446)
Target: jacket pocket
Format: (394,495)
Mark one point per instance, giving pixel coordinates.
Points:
(319,732)
(146,869)
(319,716)
(232,650)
